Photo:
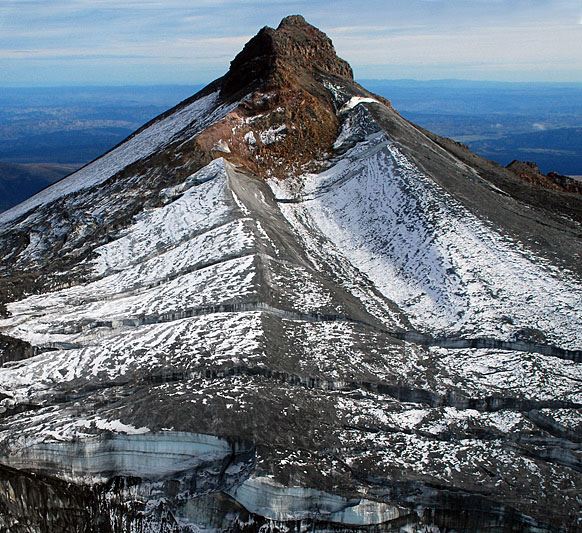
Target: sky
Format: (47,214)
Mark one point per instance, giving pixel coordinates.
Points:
(149,42)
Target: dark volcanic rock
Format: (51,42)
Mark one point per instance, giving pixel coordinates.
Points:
(14,349)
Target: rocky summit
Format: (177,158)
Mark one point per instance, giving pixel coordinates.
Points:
(280,306)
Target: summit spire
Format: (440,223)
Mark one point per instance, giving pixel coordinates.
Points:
(294,47)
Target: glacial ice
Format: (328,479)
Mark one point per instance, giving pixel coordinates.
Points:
(264,497)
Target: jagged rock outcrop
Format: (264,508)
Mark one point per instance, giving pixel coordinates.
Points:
(289,124)
(274,58)
(530,172)
(282,306)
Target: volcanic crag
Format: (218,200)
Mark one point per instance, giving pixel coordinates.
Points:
(280,306)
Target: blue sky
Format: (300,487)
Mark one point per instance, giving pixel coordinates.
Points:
(125,42)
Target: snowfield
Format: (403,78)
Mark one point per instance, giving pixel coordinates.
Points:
(449,272)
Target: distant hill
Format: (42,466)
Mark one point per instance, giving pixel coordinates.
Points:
(549,149)
(500,121)
(19,181)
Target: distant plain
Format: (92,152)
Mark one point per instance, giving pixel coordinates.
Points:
(46,133)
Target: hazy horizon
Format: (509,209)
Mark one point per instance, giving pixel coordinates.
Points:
(460,82)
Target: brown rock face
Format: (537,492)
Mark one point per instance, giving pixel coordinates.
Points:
(530,172)
(271,56)
(289,123)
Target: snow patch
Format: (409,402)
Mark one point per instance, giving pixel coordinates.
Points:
(356,100)
(117,426)
(273,135)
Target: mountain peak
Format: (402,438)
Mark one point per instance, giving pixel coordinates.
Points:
(280,77)
(273,54)
(294,20)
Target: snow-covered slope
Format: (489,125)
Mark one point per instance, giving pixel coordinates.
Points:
(184,122)
(449,271)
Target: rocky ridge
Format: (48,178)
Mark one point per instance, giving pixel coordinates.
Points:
(282,306)
(289,123)
(276,57)
(530,172)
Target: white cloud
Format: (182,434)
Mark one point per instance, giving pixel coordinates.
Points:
(477,47)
